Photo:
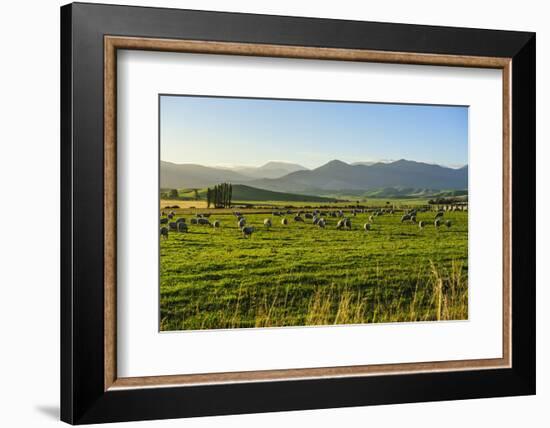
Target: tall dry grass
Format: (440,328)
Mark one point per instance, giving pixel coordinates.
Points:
(440,295)
(443,296)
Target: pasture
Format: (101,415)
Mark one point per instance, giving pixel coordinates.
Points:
(299,274)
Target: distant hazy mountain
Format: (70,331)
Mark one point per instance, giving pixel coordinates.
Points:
(269,170)
(368,163)
(195,176)
(340,176)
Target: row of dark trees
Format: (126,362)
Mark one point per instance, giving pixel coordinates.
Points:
(448,200)
(219,196)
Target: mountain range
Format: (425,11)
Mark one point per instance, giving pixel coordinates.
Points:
(334,176)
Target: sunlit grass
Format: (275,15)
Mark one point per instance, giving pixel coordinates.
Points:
(302,275)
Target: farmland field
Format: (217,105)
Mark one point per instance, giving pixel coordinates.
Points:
(300,274)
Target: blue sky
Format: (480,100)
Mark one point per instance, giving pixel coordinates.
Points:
(242,131)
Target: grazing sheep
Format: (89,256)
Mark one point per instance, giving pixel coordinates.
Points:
(298,218)
(164,232)
(308,215)
(247,231)
(367,227)
(439,214)
(170,216)
(267,222)
(241,223)
(163,221)
(216,224)
(316,219)
(321,223)
(203,221)
(182,227)
(413,218)
(437,223)
(371,219)
(344,223)
(194,221)
(173,225)
(284,221)
(276,213)
(448,223)
(180,220)
(421,224)
(405,217)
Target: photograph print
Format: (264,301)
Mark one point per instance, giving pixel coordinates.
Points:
(294,213)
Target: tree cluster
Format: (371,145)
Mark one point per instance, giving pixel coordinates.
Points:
(219,196)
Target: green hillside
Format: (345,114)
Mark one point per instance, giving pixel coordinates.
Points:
(408,192)
(242,192)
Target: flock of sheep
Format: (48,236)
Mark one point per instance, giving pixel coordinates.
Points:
(318,218)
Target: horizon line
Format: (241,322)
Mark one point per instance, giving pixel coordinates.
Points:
(354,163)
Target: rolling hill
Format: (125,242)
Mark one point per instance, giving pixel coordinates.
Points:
(242,192)
(410,192)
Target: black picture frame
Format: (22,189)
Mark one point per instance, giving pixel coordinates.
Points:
(83,399)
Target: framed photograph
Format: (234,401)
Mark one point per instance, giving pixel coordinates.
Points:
(266,213)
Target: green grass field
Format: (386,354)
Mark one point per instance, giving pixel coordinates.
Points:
(300,274)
